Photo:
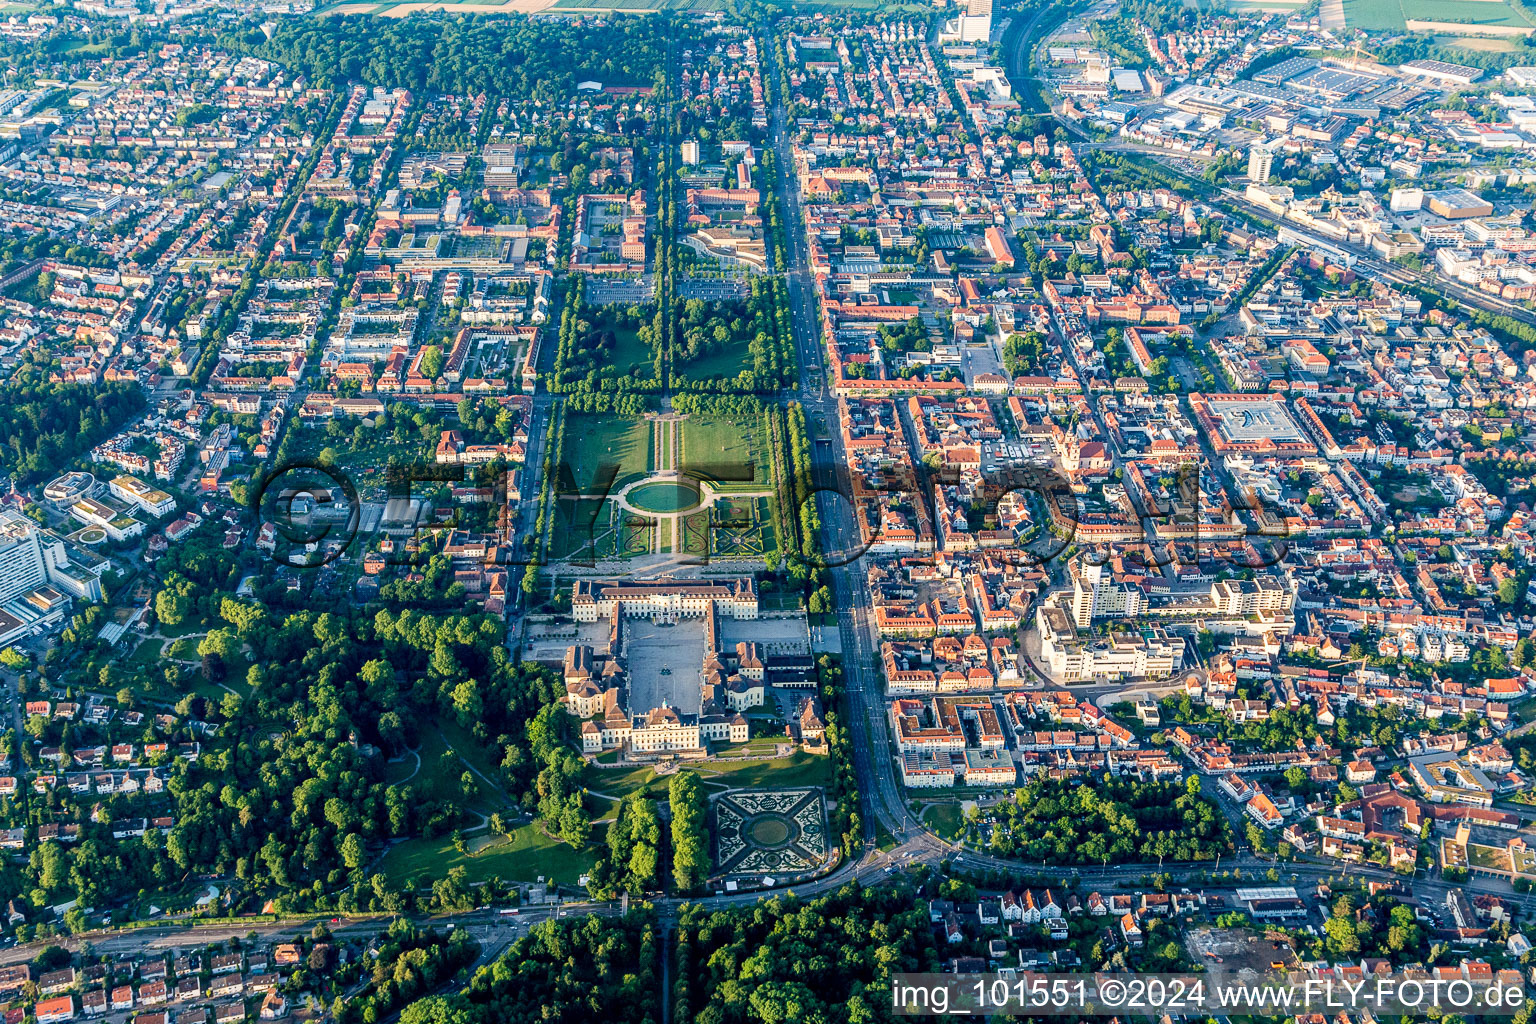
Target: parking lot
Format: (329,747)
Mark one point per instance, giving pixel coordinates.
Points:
(699,288)
(604,290)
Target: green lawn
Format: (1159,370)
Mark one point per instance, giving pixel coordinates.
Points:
(184,649)
(727,451)
(147,653)
(797,770)
(778,601)
(591,531)
(434,781)
(761,746)
(593,440)
(523,856)
(727,363)
(396,772)
(631,356)
(945,819)
(470,750)
(620,782)
(1392,15)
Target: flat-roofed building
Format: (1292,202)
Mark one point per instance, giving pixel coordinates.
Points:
(141,495)
(1458,204)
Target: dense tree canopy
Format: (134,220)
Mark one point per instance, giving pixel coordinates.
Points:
(408,963)
(690,831)
(517,56)
(1111,821)
(287,792)
(45,425)
(575,971)
(786,963)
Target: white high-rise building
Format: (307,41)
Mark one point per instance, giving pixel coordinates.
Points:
(23,556)
(31,558)
(1097,595)
(1260,162)
(972,25)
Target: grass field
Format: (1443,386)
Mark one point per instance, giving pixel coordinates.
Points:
(438,779)
(726,451)
(1393,15)
(618,783)
(945,819)
(182,649)
(797,770)
(719,364)
(468,750)
(631,355)
(523,855)
(592,440)
(1481,44)
(592,532)
(147,653)
(758,746)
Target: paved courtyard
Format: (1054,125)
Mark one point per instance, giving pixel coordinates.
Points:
(786,634)
(663,664)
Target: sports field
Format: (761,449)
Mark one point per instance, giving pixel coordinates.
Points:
(1460,17)
(403,8)
(392,9)
(1245,6)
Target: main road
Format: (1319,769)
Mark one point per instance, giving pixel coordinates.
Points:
(868,727)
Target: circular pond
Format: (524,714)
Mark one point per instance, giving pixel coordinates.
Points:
(663,496)
(770,831)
